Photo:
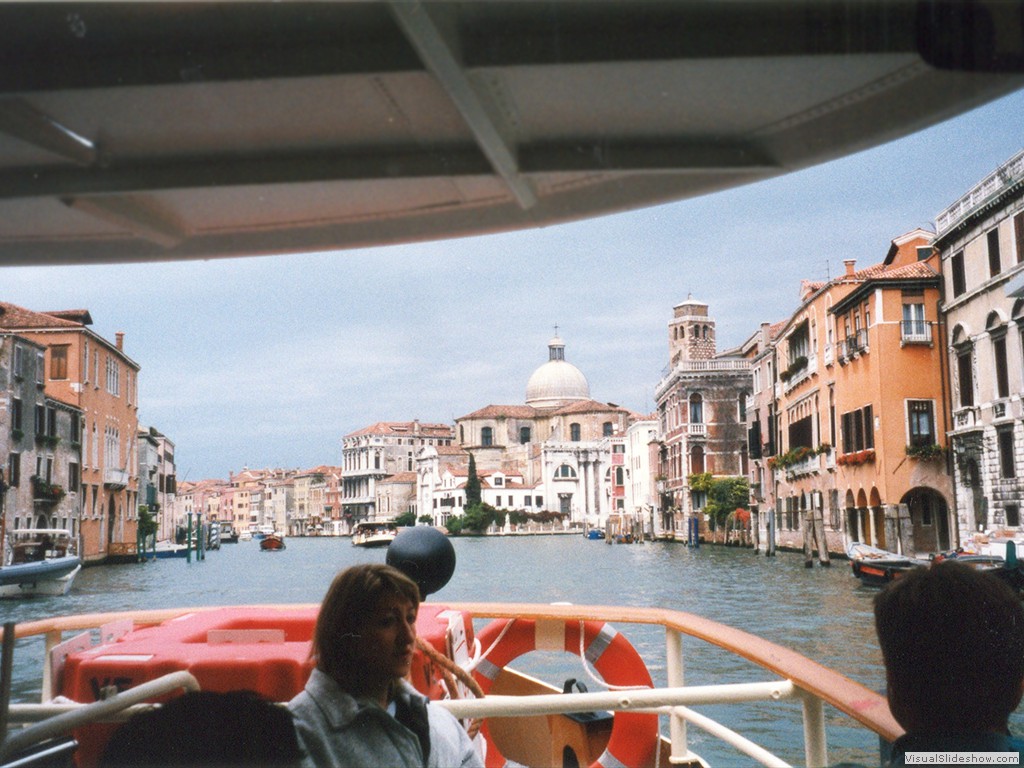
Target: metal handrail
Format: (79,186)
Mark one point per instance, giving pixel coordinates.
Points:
(64,723)
(814,683)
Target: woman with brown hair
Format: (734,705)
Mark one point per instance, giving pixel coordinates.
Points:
(357,708)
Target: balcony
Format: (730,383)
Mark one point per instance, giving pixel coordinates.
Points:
(697,430)
(807,466)
(915,332)
(967,418)
(115,479)
(44,492)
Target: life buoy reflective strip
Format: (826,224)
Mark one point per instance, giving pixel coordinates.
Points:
(634,735)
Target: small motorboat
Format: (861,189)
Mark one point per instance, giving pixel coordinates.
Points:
(595,534)
(271,542)
(379,534)
(39,561)
(877,567)
(228,534)
(166,549)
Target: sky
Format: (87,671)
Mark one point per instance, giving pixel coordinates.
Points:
(270,361)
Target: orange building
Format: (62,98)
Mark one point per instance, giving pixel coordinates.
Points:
(861,410)
(85,370)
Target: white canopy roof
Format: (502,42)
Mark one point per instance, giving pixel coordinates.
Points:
(196,130)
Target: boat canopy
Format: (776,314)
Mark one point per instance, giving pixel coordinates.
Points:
(151,131)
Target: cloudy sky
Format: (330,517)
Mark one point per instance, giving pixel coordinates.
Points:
(269,361)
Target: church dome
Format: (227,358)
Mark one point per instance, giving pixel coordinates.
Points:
(556,382)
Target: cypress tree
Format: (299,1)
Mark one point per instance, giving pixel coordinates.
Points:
(472,485)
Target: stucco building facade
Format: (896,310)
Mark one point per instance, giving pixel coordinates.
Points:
(981,239)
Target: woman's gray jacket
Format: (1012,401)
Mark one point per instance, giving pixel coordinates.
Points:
(338,731)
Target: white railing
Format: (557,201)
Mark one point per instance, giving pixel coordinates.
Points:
(697,429)
(796,677)
(915,332)
(1001,179)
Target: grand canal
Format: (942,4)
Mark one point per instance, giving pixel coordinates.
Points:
(820,612)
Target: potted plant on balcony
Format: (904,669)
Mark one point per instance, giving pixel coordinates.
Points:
(44,491)
(926,452)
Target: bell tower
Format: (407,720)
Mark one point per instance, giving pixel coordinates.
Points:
(691,333)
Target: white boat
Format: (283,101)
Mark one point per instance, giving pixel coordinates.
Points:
(38,561)
(371,535)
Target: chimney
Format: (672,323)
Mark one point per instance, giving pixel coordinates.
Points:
(849,264)
(119,341)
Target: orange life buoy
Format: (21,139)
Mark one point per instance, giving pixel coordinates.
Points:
(634,735)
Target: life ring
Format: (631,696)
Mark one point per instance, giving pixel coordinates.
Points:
(634,735)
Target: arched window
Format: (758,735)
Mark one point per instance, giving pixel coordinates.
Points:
(696,460)
(565,472)
(607,429)
(696,409)
(486,436)
(574,432)
(524,435)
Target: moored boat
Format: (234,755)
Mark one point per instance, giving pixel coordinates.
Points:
(228,534)
(877,567)
(371,535)
(38,561)
(272,543)
(167,549)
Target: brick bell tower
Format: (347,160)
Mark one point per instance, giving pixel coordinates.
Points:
(691,333)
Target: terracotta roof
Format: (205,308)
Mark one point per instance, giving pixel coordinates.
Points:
(15,317)
(508,411)
(450,450)
(589,406)
(404,429)
(74,315)
(399,477)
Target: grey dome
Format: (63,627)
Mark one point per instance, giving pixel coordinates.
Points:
(556,382)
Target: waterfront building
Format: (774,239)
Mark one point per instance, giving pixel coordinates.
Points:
(396,495)
(760,412)
(642,451)
(981,240)
(311,514)
(436,468)
(558,440)
(371,454)
(278,505)
(849,412)
(700,400)
(40,473)
(85,371)
(208,499)
(158,479)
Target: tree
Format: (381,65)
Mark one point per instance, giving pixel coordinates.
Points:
(724,495)
(147,522)
(472,484)
(406,519)
(479,517)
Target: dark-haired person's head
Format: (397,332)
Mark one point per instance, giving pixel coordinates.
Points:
(952,638)
(207,728)
(365,633)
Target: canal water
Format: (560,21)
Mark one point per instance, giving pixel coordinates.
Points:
(822,613)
